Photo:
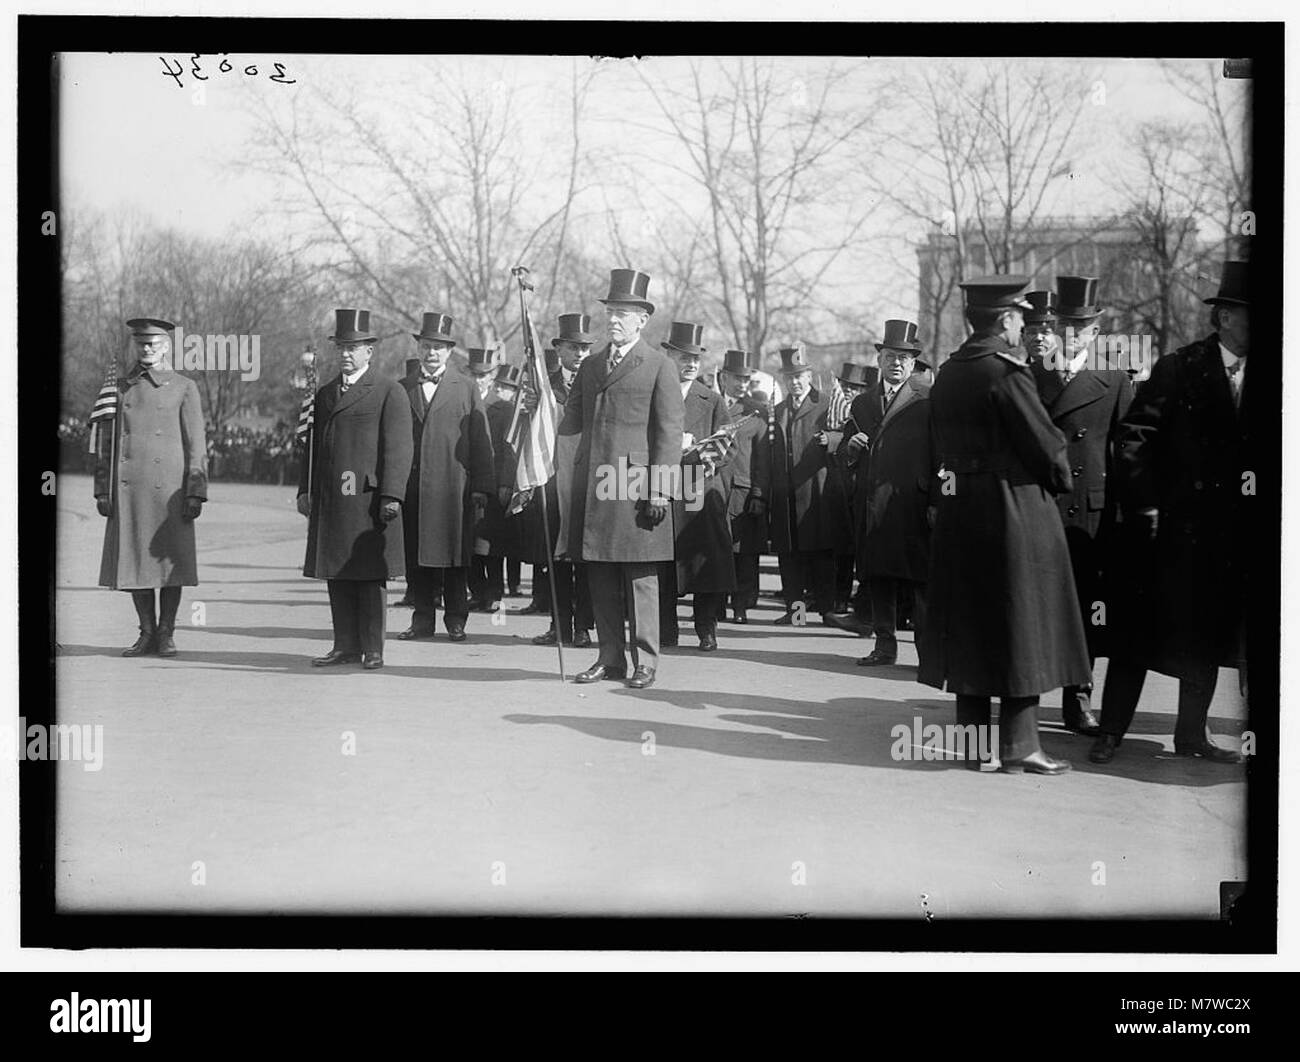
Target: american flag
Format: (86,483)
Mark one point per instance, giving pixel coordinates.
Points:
(105,407)
(307,412)
(838,415)
(534,435)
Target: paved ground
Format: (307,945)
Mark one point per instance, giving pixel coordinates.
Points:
(481,783)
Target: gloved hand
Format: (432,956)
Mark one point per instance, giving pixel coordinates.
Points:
(390,510)
(479,502)
(104,506)
(755,506)
(1148,522)
(656,509)
(858,443)
(504,494)
(193,507)
(528,400)
(304,504)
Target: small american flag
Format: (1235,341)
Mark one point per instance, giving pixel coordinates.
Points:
(105,407)
(307,412)
(534,440)
(838,414)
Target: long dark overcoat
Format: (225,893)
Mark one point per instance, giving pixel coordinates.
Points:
(1182,450)
(1003,615)
(629,419)
(158,459)
(701,525)
(801,515)
(892,483)
(748,475)
(452,460)
(361,454)
(501,531)
(1088,411)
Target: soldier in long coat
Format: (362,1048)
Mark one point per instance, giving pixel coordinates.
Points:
(626,404)
(703,566)
(1182,459)
(360,446)
(892,456)
(803,525)
(746,477)
(1086,402)
(451,476)
(1003,615)
(151,483)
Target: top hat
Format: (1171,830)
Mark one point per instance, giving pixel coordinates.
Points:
(858,375)
(436,326)
(684,338)
(1042,307)
(629,286)
(996,291)
(574,328)
(1076,298)
(900,335)
(794,360)
(739,362)
(509,375)
(481,360)
(1234,285)
(352,326)
(149,326)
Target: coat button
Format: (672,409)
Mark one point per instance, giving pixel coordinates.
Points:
(1198,485)
(1073,510)
(1076,471)
(157,460)
(158,432)
(1081,433)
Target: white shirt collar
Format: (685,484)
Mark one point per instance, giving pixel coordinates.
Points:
(354,377)
(1229,357)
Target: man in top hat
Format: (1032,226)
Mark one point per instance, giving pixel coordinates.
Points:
(852,381)
(803,523)
(360,460)
(626,404)
(151,482)
(1181,459)
(1086,402)
(452,474)
(1003,618)
(746,477)
(498,531)
(568,350)
(888,446)
(485,590)
(702,531)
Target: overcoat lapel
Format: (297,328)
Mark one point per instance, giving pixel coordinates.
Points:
(1085,388)
(630,361)
(902,398)
(355,393)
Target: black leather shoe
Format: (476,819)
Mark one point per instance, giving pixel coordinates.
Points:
(1082,722)
(1103,749)
(145,645)
(740,616)
(413,632)
(372,661)
(1035,763)
(847,621)
(784,621)
(708,642)
(545,639)
(531,609)
(456,634)
(641,678)
(166,647)
(600,671)
(581,639)
(1207,750)
(335,657)
(877,659)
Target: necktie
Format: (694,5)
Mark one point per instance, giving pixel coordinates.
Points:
(343,386)
(886,395)
(1235,379)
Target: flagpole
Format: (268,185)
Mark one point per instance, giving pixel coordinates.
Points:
(530,365)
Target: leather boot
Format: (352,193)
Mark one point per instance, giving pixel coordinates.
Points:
(169,601)
(148,640)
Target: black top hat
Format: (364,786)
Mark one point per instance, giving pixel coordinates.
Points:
(574,328)
(1043,307)
(996,291)
(150,326)
(900,335)
(739,362)
(352,326)
(858,375)
(509,375)
(436,326)
(629,286)
(794,360)
(685,337)
(1234,285)
(481,360)
(1076,298)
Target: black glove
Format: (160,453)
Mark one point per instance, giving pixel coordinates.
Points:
(655,510)
(193,507)
(755,506)
(479,502)
(390,510)
(104,506)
